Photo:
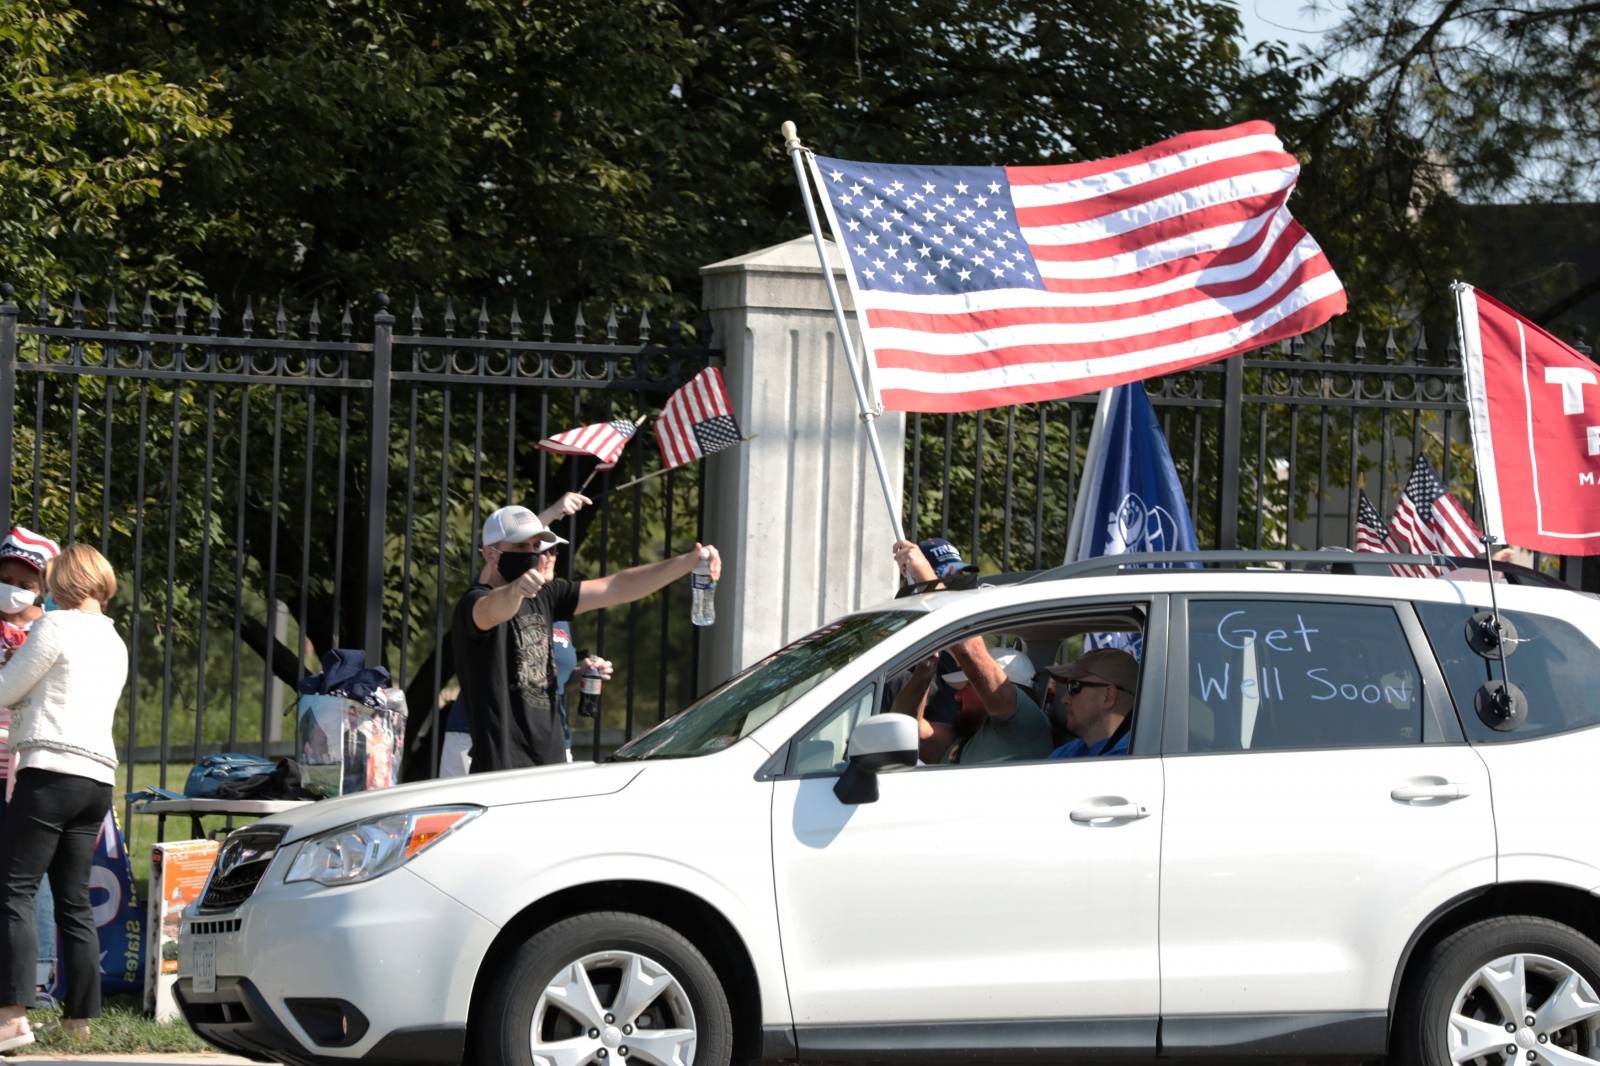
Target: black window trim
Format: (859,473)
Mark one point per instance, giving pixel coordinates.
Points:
(1152,684)
(1439,724)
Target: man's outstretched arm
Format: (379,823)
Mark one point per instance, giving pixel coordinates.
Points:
(637,582)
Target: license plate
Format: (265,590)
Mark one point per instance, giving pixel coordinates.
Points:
(205,964)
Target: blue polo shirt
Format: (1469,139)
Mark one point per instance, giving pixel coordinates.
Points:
(1115,744)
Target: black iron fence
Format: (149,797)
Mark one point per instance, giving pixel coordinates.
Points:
(1272,448)
(302,484)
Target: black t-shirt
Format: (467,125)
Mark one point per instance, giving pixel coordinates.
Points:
(508,679)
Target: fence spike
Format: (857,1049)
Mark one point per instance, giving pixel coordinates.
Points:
(111,311)
(1420,352)
(1361,344)
(416,315)
(483,318)
(280,321)
(347,324)
(449,317)
(1327,341)
(548,326)
(1452,350)
(516,321)
(1296,345)
(1390,348)
(42,309)
(214,319)
(314,323)
(180,316)
(611,325)
(147,314)
(644,327)
(578,324)
(249,319)
(77,310)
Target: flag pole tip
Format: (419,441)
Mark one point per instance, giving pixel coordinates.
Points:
(791,136)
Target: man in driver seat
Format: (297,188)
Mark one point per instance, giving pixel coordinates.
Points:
(1097,693)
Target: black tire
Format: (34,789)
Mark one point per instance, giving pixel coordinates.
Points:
(1421,1025)
(502,1036)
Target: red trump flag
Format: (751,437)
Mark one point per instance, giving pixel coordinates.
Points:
(1535,406)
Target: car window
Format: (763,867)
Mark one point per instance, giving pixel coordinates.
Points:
(1554,664)
(821,749)
(745,702)
(1279,674)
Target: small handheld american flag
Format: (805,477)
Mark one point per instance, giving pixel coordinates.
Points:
(603,440)
(1430,519)
(1373,535)
(696,421)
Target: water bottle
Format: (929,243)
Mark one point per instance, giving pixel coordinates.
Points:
(704,610)
(589,700)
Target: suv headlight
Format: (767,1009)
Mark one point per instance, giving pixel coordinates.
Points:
(364,850)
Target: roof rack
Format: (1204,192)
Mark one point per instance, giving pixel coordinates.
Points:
(1333,560)
(1339,562)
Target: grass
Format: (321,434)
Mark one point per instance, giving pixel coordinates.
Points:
(122,1028)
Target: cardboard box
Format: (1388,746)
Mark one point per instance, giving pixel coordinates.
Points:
(349,746)
(178,872)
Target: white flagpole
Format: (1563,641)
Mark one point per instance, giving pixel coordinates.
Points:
(1093,469)
(798,155)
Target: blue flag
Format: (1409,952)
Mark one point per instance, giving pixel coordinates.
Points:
(1133,499)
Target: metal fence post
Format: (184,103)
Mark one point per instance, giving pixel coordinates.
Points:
(1229,455)
(378,476)
(8,396)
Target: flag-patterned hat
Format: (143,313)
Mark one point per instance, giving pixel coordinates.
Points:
(30,547)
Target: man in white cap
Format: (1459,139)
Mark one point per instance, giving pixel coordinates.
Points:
(999,718)
(502,629)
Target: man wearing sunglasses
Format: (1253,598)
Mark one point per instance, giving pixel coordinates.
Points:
(1097,693)
(502,634)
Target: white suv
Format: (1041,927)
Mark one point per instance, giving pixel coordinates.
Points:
(1329,837)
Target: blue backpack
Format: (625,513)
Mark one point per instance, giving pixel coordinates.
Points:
(211,771)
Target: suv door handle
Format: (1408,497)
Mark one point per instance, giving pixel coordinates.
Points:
(1448,790)
(1109,812)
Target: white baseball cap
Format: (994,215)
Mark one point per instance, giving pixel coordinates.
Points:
(517,525)
(1018,668)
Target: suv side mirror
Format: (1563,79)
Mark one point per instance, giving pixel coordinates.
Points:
(885,740)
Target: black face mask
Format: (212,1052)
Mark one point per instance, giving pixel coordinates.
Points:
(513,565)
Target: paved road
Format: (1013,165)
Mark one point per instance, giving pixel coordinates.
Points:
(131,1060)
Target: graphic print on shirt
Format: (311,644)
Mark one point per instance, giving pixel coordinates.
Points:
(530,632)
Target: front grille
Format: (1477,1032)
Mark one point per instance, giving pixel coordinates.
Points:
(241,862)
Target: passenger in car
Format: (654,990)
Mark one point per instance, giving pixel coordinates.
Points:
(939,709)
(1004,721)
(1097,692)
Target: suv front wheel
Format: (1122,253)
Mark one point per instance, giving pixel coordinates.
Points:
(608,989)
(1515,989)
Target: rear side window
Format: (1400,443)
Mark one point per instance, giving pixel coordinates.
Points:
(1270,675)
(1555,665)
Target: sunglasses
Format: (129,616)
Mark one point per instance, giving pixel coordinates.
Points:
(1076,686)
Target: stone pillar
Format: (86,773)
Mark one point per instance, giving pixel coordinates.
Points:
(797,512)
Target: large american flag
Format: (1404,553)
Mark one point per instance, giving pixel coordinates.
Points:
(1430,519)
(987,286)
(1373,535)
(697,420)
(603,440)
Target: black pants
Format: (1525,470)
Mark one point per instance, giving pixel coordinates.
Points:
(52,824)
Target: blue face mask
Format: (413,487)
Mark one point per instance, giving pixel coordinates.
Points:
(49,603)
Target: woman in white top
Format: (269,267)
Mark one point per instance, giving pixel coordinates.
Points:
(63,686)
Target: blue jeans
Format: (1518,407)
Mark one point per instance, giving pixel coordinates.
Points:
(44,916)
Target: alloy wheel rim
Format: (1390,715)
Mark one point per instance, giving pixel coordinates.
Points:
(613,1008)
(1525,1008)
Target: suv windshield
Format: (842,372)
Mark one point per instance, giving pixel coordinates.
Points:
(750,699)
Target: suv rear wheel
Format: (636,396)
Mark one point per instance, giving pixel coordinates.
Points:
(608,989)
(1506,990)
